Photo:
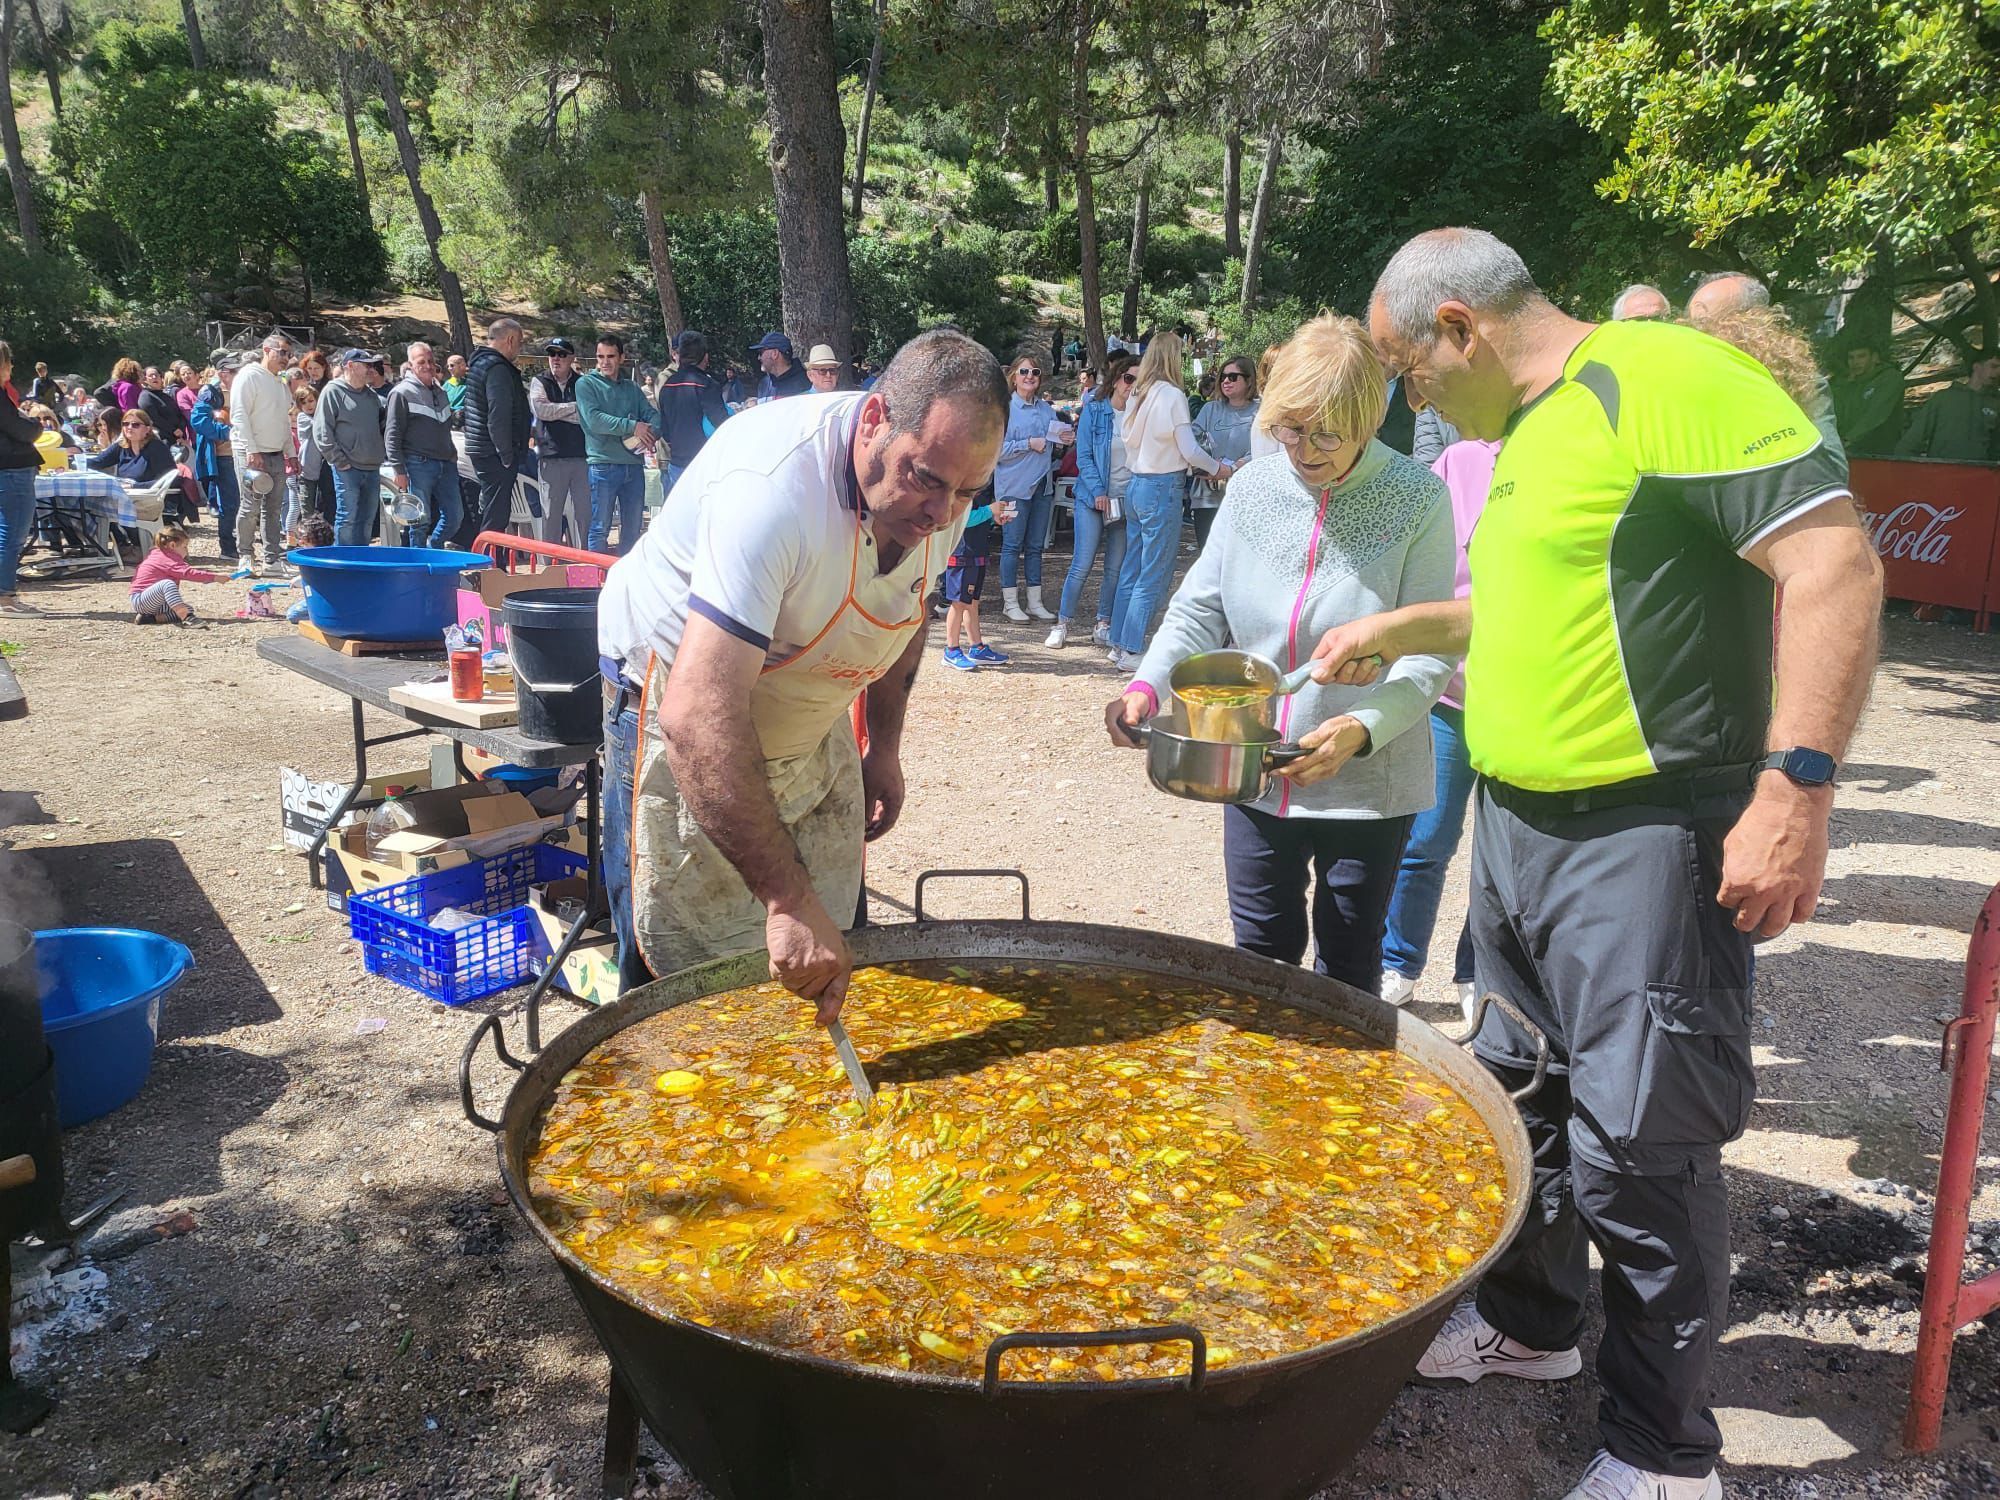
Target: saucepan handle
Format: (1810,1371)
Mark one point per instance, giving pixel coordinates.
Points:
(930,875)
(490,1024)
(1166,1333)
(1281,755)
(1512,1012)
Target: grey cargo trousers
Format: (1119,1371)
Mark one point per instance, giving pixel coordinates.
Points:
(1601,923)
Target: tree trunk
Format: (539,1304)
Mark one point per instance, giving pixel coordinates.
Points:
(1135,264)
(427,214)
(1232,192)
(1086,189)
(51,64)
(1260,220)
(661,255)
(197,53)
(808,157)
(1053,155)
(347,118)
(10,139)
(868,108)
(1984,298)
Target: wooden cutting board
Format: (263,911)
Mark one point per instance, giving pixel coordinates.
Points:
(494,711)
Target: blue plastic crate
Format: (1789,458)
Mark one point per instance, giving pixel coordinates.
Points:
(503,949)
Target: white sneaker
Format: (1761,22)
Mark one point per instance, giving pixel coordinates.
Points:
(1610,1478)
(1397,987)
(1101,636)
(1128,661)
(1112,655)
(1010,606)
(1468,999)
(1035,606)
(1468,1348)
(1059,637)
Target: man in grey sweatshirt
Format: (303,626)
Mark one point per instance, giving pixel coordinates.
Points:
(347,430)
(417,448)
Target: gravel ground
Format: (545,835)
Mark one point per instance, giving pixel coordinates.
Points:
(312,1286)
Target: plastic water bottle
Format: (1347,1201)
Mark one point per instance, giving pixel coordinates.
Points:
(393,816)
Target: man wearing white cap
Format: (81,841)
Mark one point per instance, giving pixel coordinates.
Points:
(823,368)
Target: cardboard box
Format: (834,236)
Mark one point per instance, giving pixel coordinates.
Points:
(453,824)
(481,592)
(590,972)
(304,804)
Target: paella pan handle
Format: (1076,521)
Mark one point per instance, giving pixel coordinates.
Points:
(492,1024)
(1166,1333)
(1512,1012)
(930,875)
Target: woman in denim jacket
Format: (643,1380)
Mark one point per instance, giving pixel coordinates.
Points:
(1101,472)
(1024,475)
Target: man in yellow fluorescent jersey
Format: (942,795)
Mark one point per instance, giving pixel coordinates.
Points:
(1646,810)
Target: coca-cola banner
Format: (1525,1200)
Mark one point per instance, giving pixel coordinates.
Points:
(1935,527)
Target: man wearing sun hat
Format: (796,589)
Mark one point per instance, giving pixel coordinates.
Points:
(823,368)
(782,374)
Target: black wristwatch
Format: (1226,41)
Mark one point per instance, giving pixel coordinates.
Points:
(1808,768)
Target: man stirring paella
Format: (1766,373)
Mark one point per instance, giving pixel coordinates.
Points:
(784,575)
(1646,810)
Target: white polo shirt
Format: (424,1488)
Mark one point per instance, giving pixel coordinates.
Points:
(759,537)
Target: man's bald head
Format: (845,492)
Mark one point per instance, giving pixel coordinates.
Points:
(1726,292)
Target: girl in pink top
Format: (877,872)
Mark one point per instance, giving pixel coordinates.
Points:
(156,582)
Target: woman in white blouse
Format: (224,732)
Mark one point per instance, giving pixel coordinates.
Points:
(1161,446)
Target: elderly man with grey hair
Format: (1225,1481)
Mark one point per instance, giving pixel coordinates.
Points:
(1722,292)
(265,443)
(497,425)
(1646,809)
(1640,301)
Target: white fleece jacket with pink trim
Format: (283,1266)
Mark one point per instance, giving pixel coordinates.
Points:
(1284,564)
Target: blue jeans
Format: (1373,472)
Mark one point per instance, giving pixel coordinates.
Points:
(1024,537)
(1433,840)
(435,482)
(357,505)
(17,519)
(1152,542)
(621,755)
(673,477)
(620,490)
(222,499)
(1091,530)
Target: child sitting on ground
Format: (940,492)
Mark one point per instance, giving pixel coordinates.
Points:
(156,591)
(964,577)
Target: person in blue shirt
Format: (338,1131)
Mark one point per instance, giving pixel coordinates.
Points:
(964,579)
(1101,475)
(1024,476)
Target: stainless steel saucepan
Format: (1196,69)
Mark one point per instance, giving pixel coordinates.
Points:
(1212,770)
(1254,683)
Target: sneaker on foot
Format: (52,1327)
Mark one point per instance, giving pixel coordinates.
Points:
(17,606)
(1101,636)
(954,657)
(1468,999)
(985,655)
(1468,1348)
(1059,637)
(1610,1478)
(1397,987)
(1038,610)
(1112,655)
(1128,661)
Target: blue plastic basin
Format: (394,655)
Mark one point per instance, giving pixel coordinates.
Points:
(383,593)
(101,989)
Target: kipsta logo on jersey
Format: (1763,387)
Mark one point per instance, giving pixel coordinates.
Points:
(1770,438)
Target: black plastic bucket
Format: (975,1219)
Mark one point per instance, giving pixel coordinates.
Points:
(552,638)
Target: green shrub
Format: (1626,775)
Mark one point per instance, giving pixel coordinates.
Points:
(940,134)
(993,201)
(1055,248)
(1178,256)
(43,303)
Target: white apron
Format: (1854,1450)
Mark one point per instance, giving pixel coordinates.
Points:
(688,903)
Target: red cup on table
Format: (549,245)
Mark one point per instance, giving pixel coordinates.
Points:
(468,675)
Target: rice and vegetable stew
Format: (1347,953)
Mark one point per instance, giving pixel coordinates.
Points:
(1053,1147)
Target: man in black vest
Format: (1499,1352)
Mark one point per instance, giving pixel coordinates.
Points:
(564,467)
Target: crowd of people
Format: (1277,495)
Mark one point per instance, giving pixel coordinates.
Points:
(430,454)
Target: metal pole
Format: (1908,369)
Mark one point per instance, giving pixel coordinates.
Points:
(1967,1055)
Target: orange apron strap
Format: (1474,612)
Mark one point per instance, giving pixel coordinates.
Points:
(853,572)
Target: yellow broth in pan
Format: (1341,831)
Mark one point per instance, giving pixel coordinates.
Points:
(1053,1147)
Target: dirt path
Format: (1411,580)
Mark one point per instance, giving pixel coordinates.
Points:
(355,1312)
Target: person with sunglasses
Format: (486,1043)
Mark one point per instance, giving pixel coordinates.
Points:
(138,456)
(1223,429)
(1024,478)
(1318,535)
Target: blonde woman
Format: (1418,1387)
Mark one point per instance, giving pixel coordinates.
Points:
(1334,526)
(1161,446)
